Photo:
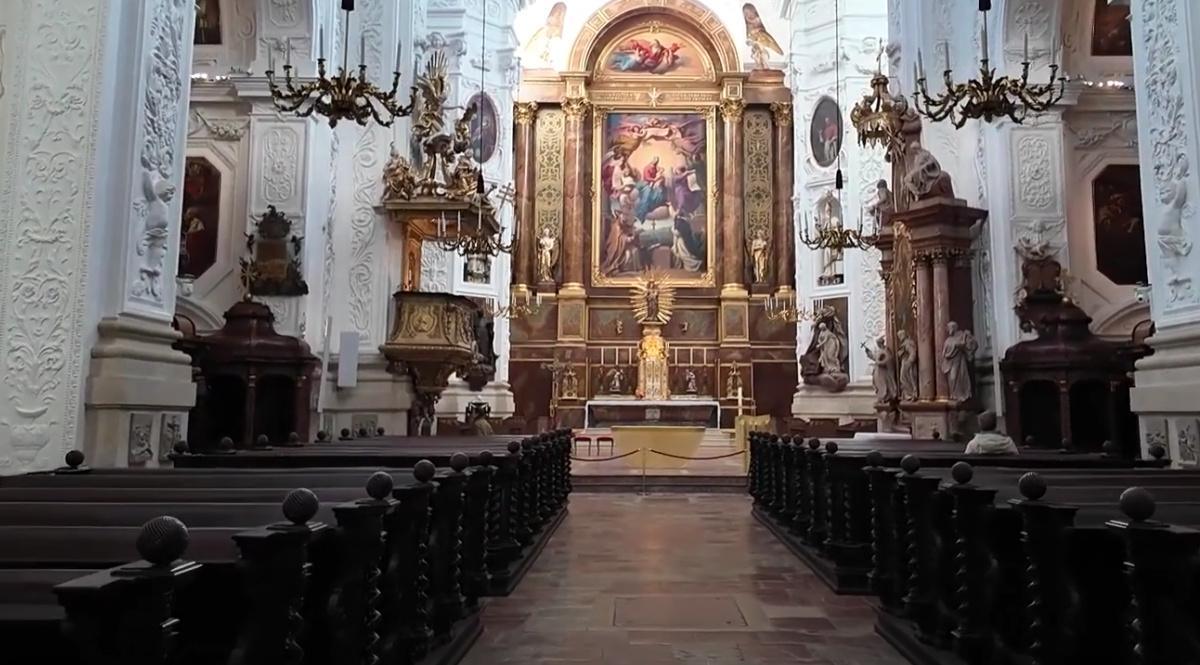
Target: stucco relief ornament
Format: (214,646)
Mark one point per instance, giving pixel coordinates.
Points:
(1173,242)
(158,193)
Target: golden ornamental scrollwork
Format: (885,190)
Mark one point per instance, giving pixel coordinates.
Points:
(575,107)
(732,109)
(782,112)
(759,193)
(525,112)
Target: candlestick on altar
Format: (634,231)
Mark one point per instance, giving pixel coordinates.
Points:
(739,400)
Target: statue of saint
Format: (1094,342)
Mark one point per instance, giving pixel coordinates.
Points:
(758,254)
(733,380)
(614,381)
(546,244)
(909,377)
(884,375)
(957,353)
(689,382)
(652,365)
(570,384)
(925,178)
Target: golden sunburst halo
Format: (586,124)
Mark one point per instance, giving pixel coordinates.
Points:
(653,297)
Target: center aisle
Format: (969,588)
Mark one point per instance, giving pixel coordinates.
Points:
(673,579)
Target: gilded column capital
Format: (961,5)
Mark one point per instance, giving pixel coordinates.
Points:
(782,112)
(525,112)
(732,109)
(575,107)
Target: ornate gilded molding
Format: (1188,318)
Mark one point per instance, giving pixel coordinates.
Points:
(575,107)
(732,109)
(758,194)
(782,112)
(525,112)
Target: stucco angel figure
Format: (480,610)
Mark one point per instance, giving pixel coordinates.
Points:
(757,38)
(158,193)
(883,377)
(1172,238)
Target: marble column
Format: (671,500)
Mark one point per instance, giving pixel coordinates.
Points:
(927,364)
(733,254)
(525,147)
(576,186)
(1166,34)
(941,317)
(784,233)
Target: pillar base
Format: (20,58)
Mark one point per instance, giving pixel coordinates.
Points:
(138,394)
(1167,394)
(856,402)
(380,399)
(943,418)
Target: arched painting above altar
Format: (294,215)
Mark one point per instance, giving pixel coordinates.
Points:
(657,50)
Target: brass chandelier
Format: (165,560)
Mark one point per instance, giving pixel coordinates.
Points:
(521,303)
(989,97)
(879,117)
(784,306)
(836,236)
(347,96)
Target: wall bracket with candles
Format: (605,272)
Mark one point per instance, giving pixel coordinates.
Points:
(988,97)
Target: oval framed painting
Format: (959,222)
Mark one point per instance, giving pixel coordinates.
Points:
(484,127)
(825,132)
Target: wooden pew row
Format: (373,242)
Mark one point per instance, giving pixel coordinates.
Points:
(214,544)
(972,572)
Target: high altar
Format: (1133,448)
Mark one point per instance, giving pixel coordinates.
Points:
(654,150)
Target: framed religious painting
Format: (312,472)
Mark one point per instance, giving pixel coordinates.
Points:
(201,217)
(208,22)
(1112,34)
(484,127)
(1117,224)
(825,132)
(655,51)
(654,206)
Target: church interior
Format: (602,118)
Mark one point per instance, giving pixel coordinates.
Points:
(425,332)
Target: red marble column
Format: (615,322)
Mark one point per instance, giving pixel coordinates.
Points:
(576,190)
(525,149)
(941,317)
(927,361)
(784,232)
(733,253)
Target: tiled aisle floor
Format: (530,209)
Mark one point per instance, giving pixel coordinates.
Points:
(679,579)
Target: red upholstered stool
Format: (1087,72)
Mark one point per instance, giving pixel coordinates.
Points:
(585,439)
(601,440)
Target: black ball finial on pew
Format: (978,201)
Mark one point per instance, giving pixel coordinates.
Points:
(1137,504)
(486,458)
(363,433)
(293,439)
(1110,448)
(875,459)
(814,443)
(180,447)
(911,464)
(514,447)
(74,463)
(300,505)
(424,471)
(322,435)
(162,540)
(1032,486)
(962,473)
(1029,441)
(379,485)
(345,434)
(459,462)
(937,436)
(225,445)
(1157,451)
(831,447)
(262,441)
(379,431)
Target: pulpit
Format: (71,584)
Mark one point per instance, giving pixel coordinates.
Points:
(256,382)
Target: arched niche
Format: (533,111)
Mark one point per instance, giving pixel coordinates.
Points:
(609,23)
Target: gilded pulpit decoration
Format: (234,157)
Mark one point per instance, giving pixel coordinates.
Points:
(550,193)
(759,195)
(273,268)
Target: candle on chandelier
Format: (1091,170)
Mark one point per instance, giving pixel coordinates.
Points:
(270,58)
(919,68)
(983,41)
(946,54)
(288,46)
(321,42)
(362,49)
(398,48)
(1027,48)
(739,400)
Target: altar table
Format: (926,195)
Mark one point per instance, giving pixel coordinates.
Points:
(681,440)
(632,411)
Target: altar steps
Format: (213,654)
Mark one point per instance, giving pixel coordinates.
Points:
(660,484)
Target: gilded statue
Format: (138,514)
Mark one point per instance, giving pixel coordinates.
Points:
(653,382)
(653,298)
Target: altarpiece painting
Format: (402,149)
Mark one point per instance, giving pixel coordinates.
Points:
(654,210)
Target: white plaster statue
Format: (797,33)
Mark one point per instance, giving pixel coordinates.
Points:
(1172,238)
(988,441)
(546,244)
(758,254)
(830,346)
(158,193)
(689,382)
(883,377)
(957,353)
(925,178)
(906,353)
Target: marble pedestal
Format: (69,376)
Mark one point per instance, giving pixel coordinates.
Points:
(1166,395)
(381,399)
(856,402)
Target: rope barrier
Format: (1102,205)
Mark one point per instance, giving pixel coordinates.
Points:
(605,459)
(699,459)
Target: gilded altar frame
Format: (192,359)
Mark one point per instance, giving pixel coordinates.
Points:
(711,228)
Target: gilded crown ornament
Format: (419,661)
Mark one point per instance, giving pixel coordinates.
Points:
(347,96)
(988,97)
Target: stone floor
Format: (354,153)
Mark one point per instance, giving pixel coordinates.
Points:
(679,579)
